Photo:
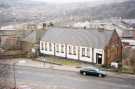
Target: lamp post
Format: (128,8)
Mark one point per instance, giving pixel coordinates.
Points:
(121,57)
(14,70)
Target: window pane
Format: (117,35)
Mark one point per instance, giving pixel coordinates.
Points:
(70,50)
(62,48)
(83,51)
(88,52)
(74,50)
(57,48)
(42,46)
(50,47)
(45,46)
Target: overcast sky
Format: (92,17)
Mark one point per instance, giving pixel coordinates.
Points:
(68,1)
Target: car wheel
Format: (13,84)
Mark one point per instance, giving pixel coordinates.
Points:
(100,75)
(84,73)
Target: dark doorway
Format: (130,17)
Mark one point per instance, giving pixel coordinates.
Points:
(99,58)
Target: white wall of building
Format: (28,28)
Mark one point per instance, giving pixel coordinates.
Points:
(86,58)
(58,51)
(130,41)
(46,51)
(82,24)
(72,56)
(75,52)
(41,50)
(100,51)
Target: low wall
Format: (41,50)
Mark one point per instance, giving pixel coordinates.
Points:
(11,54)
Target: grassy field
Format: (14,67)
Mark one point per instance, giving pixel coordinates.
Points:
(127,69)
(62,61)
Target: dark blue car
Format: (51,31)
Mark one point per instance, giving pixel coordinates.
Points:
(93,71)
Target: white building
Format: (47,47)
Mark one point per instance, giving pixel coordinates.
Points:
(77,44)
(130,42)
(82,24)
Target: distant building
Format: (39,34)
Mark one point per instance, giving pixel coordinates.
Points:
(128,43)
(8,38)
(31,39)
(95,46)
(85,24)
(128,34)
(7,30)
(128,39)
(129,23)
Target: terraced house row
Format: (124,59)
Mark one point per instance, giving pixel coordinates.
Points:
(97,46)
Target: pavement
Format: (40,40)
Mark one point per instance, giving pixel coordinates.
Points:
(39,64)
(34,74)
(38,78)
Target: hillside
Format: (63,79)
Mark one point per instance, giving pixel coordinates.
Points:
(12,11)
(124,9)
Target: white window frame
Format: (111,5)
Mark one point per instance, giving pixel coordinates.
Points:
(50,46)
(57,47)
(62,48)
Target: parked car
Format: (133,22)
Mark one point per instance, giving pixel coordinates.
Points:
(93,71)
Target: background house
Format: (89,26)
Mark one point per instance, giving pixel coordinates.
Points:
(31,39)
(96,46)
(8,38)
(128,39)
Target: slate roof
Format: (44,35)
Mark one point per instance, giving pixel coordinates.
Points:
(79,37)
(33,36)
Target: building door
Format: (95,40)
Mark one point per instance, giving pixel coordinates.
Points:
(98,58)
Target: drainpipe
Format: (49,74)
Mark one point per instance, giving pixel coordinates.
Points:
(78,53)
(66,51)
(92,55)
(54,50)
(121,57)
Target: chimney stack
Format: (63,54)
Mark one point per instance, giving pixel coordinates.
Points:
(44,26)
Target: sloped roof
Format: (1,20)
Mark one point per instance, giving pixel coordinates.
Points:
(31,38)
(79,37)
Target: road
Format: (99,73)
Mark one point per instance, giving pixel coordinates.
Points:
(56,79)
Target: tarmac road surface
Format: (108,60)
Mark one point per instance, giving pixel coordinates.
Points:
(37,78)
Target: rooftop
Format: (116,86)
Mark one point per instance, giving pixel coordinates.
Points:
(79,37)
